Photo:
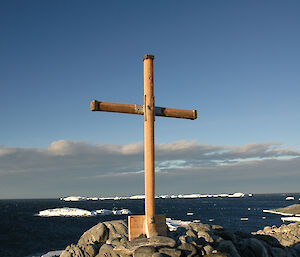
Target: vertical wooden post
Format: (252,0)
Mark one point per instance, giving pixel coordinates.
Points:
(149,113)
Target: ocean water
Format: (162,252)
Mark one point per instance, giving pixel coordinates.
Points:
(23,233)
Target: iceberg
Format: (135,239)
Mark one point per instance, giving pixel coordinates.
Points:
(290,198)
(78,198)
(93,198)
(74,198)
(293,219)
(66,211)
(137,197)
(164,196)
(121,212)
(103,212)
(191,196)
(75,212)
(236,195)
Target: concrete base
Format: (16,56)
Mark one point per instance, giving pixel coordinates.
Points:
(137,226)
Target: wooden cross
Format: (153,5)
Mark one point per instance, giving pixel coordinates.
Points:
(148,224)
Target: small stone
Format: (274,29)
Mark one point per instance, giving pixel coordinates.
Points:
(208,249)
(159,255)
(190,239)
(182,239)
(90,250)
(216,227)
(207,237)
(107,250)
(144,251)
(191,233)
(170,251)
(122,250)
(188,249)
(72,251)
(268,230)
(200,227)
(162,241)
(114,242)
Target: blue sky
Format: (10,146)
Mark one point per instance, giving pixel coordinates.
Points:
(236,62)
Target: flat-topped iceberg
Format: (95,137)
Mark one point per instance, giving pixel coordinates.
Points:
(66,211)
(113,212)
(237,195)
(137,197)
(121,212)
(74,198)
(291,219)
(290,198)
(78,198)
(190,196)
(75,212)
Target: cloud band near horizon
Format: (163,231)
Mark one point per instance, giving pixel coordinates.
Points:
(79,162)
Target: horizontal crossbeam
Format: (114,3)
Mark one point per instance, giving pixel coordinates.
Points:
(139,109)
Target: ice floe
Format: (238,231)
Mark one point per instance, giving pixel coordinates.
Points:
(290,198)
(75,212)
(293,219)
(74,198)
(290,213)
(174,224)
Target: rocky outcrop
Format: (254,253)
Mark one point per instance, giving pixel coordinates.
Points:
(110,239)
(286,235)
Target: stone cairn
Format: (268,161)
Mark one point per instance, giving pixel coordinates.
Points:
(110,239)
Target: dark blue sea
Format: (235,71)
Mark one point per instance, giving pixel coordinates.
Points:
(22,233)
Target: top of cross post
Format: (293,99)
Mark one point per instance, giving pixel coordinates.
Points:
(148,56)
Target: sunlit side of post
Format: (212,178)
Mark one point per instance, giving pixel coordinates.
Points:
(149,113)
